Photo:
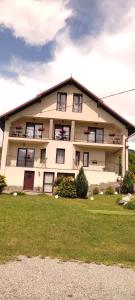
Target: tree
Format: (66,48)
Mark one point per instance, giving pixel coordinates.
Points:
(128,183)
(131,161)
(81,184)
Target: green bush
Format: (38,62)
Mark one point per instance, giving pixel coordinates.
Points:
(109,190)
(55,190)
(81,184)
(96,191)
(58,180)
(67,188)
(130,205)
(128,183)
(2,183)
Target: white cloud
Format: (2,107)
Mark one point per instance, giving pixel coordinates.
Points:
(37,22)
(104,64)
(99,69)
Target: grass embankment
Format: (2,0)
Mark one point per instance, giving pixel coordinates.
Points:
(99,231)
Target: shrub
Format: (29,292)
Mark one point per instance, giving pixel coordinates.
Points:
(130,205)
(2,183)
(96,191)
(81,184)
(67,188)
(109,190)
(55,190)
(58,180)
(128,183)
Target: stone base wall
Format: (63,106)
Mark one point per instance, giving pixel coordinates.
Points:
(11,189)
(103,186)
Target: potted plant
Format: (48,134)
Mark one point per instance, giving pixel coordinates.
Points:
(41,129)
(112,134)
(18,127)
(27,156)
(63,131)
(86,131)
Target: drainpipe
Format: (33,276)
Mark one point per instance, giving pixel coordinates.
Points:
(126,156)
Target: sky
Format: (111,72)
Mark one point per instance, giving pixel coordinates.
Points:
(44,42)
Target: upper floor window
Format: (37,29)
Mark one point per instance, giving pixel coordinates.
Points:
(61,101)
(77,102)
(60,156)
(96,135)
(25,157)
(34,130)
(42,155)
(86,159)
(62,132)
(77,158)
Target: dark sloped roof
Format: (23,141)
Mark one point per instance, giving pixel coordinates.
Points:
(71,80)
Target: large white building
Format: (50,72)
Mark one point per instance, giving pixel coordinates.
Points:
(59,131)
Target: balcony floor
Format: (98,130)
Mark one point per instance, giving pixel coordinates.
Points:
(110,147)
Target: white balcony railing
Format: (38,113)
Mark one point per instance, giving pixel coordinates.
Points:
(36,162)
(98,165)
(81,136)
(22,133)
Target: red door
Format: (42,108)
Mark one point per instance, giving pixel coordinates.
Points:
(28,180)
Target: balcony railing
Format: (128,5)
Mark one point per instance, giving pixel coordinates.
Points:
(12,161)
(81,136)
(98,165)
(22,133)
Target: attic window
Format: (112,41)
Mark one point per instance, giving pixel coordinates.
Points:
(77,103)
(61,101)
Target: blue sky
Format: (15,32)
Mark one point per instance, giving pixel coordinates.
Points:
(43,42)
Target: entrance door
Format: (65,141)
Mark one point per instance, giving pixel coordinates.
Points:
(28,180)
(48,182)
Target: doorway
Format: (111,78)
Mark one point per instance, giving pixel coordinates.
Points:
(48,182)
(28,180)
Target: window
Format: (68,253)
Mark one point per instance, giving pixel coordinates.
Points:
(86,159)
(77,103)
(60,156)
(77,158)
(34,131)
(61,101)
(62,132)
(25,157)
(96,135)
(42,155)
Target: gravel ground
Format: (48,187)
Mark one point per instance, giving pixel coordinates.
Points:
(36,279)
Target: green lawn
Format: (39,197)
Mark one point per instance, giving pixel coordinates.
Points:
(99,231)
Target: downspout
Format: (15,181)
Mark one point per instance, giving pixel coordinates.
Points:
(126,147)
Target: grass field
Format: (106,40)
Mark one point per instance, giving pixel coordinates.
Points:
(93,231)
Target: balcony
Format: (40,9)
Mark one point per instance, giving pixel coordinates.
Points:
(12,161)
(97,165)
(90,138)
(20,132)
